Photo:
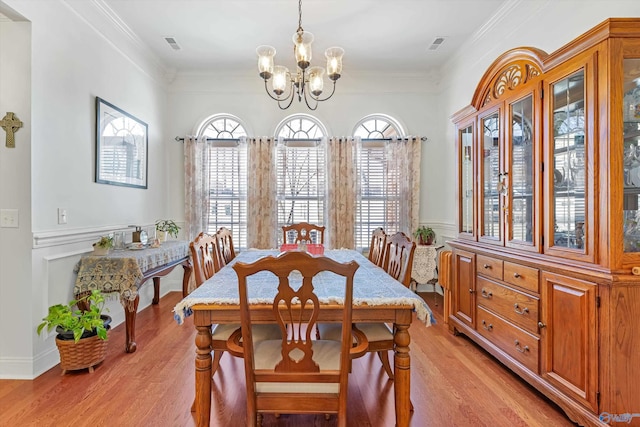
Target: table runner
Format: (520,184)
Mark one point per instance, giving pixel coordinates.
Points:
(372,286)
(122,271)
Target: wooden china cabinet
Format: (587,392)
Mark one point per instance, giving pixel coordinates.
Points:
(547,258)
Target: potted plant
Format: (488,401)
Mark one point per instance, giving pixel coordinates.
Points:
(164,227)
(102,246)
(82,334)
(425,235)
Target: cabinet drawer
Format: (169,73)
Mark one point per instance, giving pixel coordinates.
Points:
(518,307)
(514,341)
(519,275)
(490,267)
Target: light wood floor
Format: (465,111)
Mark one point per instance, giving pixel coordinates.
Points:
(453,383)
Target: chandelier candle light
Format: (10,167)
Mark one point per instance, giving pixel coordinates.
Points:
(308,81)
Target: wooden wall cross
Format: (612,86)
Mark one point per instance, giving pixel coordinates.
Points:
(10,124)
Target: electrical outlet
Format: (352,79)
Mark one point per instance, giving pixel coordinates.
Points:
(62,216)
(9,218)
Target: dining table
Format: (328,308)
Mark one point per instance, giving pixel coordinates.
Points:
(377,297)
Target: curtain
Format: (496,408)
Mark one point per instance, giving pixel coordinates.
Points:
(403,162)
(196,185)
(341,193)
(262,220)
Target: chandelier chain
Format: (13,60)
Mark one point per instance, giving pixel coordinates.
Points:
(300,16)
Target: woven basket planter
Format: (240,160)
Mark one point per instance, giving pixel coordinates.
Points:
(83,354)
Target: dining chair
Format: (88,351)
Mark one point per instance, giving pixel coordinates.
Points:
(295,233)
(377,246)
(203,253)
(224,245)
(296,374)
(202,250)
(397,263)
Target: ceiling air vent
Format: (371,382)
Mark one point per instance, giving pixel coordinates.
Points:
(437,42)
(173,43)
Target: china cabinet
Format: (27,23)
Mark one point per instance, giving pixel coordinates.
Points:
(546,263)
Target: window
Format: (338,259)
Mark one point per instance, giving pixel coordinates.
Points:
(227,176)
(300,170)
(378,202)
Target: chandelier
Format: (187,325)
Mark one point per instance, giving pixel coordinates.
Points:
(308,82)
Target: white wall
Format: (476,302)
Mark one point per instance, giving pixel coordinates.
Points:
(65,63)
(15,193)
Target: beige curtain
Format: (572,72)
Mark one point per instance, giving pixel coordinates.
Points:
(196,185)
(341,193)
(262,219)
(403,160)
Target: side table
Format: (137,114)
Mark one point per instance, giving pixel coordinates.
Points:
(126,271)
(424,264)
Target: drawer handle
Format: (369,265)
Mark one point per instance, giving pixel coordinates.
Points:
(487,267)
(518,310)
(488,327)
(486,294)
(516,275)
(521,349)
(541,325)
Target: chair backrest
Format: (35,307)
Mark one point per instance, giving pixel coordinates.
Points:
(203,254)
(295,233)
(291,368)
(224,246)
(377,246)
(398,258)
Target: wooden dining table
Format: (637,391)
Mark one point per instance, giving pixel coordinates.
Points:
(376,298)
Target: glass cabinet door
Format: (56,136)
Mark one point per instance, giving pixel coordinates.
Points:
(631,154)
(520,205)
(569,169)
(467,174)
(492,179)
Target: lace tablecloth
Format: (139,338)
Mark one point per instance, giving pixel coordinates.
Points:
(371,285)
(122,271)
(424,263)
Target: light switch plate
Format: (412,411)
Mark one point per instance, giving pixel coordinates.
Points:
(9,218)
(62,216)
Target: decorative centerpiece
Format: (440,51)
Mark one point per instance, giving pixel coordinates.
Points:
(425,235)
(102,246)
(164,227)
(82,334)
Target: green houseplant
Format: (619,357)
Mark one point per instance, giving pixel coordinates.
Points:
(164,227)
(425,235)
(82,334)
(102,246)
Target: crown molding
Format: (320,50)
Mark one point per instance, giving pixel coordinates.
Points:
(107,24)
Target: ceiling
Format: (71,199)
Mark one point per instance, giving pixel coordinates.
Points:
(379,36)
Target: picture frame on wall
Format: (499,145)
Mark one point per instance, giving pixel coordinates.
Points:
(121,147)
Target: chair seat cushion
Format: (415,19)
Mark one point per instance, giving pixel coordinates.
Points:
(260,332)
(374,331)
(268,353)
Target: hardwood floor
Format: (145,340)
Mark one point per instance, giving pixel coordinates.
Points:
(453,383)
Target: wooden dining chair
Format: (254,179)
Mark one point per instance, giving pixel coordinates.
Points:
(224,245)
(203,254)
(397,263)
(295,233)
(377,246)
(202,250)
(296,374)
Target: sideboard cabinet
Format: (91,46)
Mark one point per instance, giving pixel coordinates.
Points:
(546,262)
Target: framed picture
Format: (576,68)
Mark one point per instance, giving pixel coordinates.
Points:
(121,147)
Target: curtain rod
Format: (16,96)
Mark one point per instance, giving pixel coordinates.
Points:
(179,139)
